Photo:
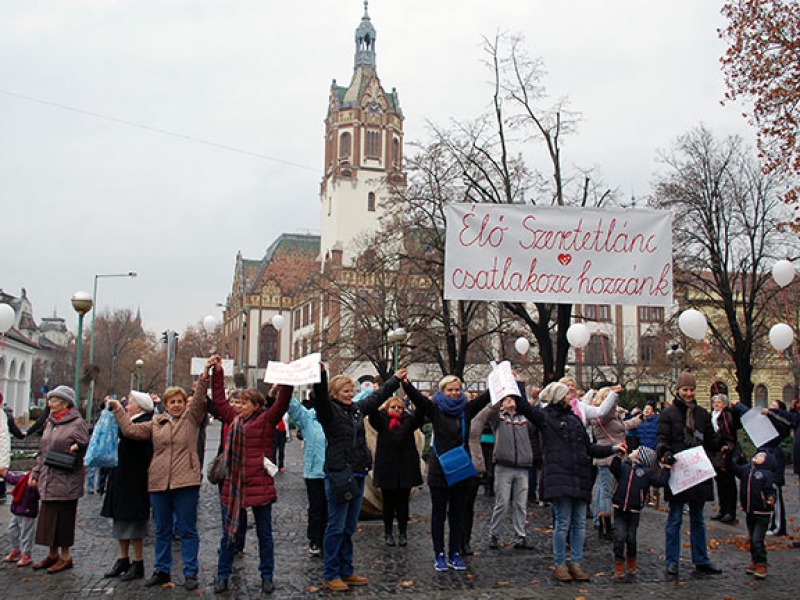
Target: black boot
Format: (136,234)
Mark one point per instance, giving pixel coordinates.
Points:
(157,578)
(120,566)
(401,537)
(389,538)
(136,571)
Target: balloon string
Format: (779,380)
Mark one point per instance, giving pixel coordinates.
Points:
(714,386)
(788,321)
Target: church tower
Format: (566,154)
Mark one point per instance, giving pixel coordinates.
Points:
(363,150)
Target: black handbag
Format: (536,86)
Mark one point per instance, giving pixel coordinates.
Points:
(64,461)
(343,485)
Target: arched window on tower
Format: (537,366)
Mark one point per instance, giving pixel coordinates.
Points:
(268,348)
(396,153)
(373,145)
(371,202)
(344,146)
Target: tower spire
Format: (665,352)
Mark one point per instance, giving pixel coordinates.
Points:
(365,41)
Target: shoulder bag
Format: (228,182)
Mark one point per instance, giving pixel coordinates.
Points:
(456,463)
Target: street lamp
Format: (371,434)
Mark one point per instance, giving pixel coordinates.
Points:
(82,303)
(90,398)
(675,353)
(139,365)
(396,336)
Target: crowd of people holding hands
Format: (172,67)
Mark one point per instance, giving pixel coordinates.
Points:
(581,454)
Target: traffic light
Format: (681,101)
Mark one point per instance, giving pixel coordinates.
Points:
(165,337)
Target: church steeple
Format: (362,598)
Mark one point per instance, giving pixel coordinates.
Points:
(365,41)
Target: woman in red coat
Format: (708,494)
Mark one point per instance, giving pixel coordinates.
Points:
(251,428)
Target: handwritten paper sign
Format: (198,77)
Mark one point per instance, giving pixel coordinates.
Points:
(758,427)
(691,467)
(501,382)
(523,253)
(199,363)
(299,372)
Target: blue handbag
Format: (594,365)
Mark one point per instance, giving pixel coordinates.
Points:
(102,450)
(456,463)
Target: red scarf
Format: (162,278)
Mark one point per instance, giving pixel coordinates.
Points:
(19,488)
(57,416)
(394,422)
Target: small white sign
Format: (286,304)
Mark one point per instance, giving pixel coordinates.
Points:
(299,372)
(691,467)
(199,364)
(501,382)
(758,427)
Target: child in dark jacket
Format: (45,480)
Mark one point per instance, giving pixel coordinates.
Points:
(22,522)
(635,475)
(757,494)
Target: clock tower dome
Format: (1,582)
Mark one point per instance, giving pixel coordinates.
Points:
(363,153)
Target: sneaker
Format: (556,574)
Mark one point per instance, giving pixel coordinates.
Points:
(751,570)
(191,583)
(25,560)
(561,573)
(13,556)
(314,550)
(455,563)
(267,586)
(761,571)
(441,563)
(672,571)
(521,543)
(220,586)
(619,571)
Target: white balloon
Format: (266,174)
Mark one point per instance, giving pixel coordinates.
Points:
(277,322)
(783,272)
(578,335)
(522,345)
(6,317)
(209,323)
(781,336)
(693,324)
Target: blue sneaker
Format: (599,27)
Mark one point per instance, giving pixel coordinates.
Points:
(441,563)
(454,562)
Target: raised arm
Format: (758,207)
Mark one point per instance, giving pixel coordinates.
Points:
(606,407)
(373,402)
(420,400)
(134,431)
(322,401)
(280,406)
(477,405)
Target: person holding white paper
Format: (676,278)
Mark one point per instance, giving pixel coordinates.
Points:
(682,425)
(783,423)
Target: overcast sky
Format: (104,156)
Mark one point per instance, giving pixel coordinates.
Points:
(93,181)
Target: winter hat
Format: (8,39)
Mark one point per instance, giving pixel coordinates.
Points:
(553,393)
(686,379)
(144,401)
(65,393)
(647,456)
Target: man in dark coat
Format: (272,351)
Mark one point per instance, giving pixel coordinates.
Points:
(683,425)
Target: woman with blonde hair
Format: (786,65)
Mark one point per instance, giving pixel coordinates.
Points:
(174,475)
(451,416)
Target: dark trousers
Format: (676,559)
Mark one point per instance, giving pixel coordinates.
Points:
(533,481)
(317,511)
(279,448)
(756,530)
(473,485)
(626,524)
(395,502)
(447,504)
(726,493)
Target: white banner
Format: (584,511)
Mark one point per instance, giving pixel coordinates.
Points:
(523,253)
(501,382)
(199,363)
(758,427)
(691,467)
(299,372)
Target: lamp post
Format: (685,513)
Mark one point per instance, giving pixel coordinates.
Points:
(139,365)
(675,353)
(82,303)
(90,397)
(396,336)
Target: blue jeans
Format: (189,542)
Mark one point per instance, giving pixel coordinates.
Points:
(342,523)
(697,533)
(266,545)
(180,505)
(570,514)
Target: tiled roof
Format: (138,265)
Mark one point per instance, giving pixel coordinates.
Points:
(288,262)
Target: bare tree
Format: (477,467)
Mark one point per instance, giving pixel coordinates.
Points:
(727,235)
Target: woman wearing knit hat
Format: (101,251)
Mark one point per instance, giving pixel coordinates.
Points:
(59,487)
(682,425)
(127,501)
(567,479)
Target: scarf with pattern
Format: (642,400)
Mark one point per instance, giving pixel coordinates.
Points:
(234,458)
(452,407)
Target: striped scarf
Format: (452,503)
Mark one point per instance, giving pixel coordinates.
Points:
(234,457)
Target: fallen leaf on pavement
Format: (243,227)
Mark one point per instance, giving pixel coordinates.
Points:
(407,584)
(312,589)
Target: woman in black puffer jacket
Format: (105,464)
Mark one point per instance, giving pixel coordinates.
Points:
(567,480)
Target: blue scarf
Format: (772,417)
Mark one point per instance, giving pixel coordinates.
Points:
(450,406)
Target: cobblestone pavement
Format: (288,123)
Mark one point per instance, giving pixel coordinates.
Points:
(502,573)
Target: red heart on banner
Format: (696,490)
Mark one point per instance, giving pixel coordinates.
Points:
(565,259)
